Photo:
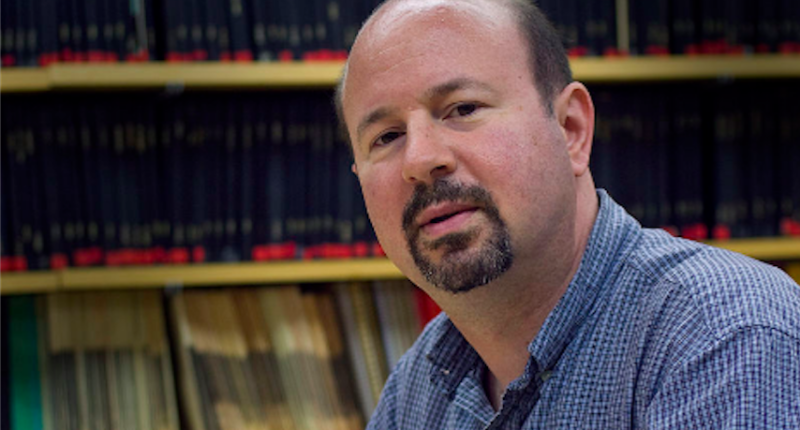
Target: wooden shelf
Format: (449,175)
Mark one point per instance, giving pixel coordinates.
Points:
(29,282)
(767,249)
(325,74)
(220,274)
(677,68)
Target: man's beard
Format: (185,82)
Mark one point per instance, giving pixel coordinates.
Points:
(456,273)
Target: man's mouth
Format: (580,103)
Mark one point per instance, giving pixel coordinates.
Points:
(444,218)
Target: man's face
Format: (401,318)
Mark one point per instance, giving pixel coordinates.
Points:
(463,171)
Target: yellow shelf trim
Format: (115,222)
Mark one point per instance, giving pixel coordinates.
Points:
(198,275)
(65,76)
(226,274)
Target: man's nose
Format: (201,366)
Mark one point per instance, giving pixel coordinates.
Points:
(428,154)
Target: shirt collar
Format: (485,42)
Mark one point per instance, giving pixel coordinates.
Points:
(452,357)
(613,232)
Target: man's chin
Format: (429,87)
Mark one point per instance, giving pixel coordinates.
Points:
(462,269)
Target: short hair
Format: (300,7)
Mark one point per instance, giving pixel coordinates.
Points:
(547,58)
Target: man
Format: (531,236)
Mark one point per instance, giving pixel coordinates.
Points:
(471,143)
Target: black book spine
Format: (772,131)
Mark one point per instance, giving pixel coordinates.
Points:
(105,180)
(311,189)
(328,173)
(87,154)
(33,42)
(350,18)
(712,27)
(217,177)
(169,28)
(92,31)
(230,186)
(332,20)
(152,185)
(196,165)
(239,30)
(654,30)
(297,146)
(294,39)
(278,179)
(78,31)
(605,28)
(684,27)
(75,220)
(246,159)
(64,30)
(6,258)
(787,161)
(178,176)
(729,172)
(198,50)
(152,39)
(766,25)
(789,29)
(600,160)
(259,182)
(9,23)
(256,21)
(687,166)
(32,140)
(276,28)
(574,38)
(14,163)
(120,11)
(138,154)
(20,33)
(48,32)
(211,28)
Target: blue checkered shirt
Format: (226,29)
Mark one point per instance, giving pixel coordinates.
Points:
(652,332)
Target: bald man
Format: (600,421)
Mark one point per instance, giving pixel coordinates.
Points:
(471,143)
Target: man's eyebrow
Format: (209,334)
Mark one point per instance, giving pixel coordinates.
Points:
(373,117)
(446,88)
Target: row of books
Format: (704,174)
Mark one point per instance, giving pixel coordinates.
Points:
(660,27)
(194,178)
(87,360)
(709,161)
(39,32)
(279,357)
(222,177)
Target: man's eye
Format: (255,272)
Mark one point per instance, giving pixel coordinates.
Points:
(387,138)
(462,110)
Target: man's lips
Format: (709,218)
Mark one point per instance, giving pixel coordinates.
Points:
(442,218)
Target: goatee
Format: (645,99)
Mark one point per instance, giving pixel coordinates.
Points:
(459,270)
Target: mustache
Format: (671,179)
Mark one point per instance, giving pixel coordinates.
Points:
(440,191)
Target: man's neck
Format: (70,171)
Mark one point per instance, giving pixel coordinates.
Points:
(500,320)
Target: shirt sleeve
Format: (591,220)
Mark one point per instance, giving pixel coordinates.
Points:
(748,380)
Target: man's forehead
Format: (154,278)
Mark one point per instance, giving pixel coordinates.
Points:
(398,12)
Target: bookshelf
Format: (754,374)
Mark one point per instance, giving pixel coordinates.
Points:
(198,275)
(325,74)
(246,273)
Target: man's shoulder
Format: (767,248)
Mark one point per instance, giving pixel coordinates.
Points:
(731,291)
(438,330)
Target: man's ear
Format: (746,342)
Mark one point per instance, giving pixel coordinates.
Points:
(354,169)
(575,113)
